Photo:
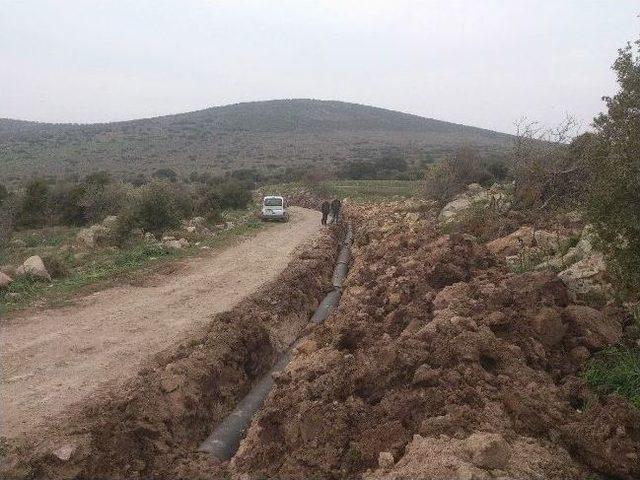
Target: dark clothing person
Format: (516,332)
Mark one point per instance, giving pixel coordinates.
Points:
(325,208)
(335,210)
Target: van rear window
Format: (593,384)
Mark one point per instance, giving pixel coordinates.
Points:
(272,202)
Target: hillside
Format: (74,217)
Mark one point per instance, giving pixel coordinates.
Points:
(256,134)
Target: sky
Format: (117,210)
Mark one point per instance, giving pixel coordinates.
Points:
(486,63)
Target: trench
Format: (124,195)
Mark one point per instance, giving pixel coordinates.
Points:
(152,426)
(225,439)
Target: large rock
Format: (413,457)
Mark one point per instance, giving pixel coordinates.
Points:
(549,242)
(488,450)
(592,326)
(586,281)
(93,236)
(5,280)
(34,267)
(513,243)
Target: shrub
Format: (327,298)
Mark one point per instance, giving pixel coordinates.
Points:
(207,203)
(614,193)
(35,209)
(100,200)
(234,195)
(69,205)
(4,193)
(450,176)
(546,170)
(165,174)
(154,209)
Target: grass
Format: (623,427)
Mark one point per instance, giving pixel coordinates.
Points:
(365,191)
(616,370)
(103,267)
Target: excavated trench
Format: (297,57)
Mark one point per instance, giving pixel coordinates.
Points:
(152,426)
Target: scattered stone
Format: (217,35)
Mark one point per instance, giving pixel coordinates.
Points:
(550,242)
(488,450)
(386,460)
(5,280)
(514,243)
(18,242)
(425,375)
(93,236)
(587,282)
(170,382)
(176,244)
(35,267)
(190,229)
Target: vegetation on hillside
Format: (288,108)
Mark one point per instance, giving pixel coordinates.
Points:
(281,134)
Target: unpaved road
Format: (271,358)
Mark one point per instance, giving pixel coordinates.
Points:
(55,358)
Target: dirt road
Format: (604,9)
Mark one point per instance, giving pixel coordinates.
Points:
(55,358)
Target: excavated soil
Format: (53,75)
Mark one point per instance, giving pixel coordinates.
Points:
(441,363)
(438,363)
(150,427)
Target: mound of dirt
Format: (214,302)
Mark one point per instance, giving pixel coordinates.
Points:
(442,359)
(152,426)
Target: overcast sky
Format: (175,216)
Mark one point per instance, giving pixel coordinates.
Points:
(477,62)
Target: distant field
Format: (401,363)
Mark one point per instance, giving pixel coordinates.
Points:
(356,190)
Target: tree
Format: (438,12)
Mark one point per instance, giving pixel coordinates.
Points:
(614,193)
(4,193)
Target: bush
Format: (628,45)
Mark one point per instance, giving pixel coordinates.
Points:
(99,200)
(4,193)
(154,209)
(35,209)
(547,171)
(234,195)
(165,174)
(451,176)
(614,190)
(207,203)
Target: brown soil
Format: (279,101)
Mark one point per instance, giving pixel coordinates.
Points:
(111,402)
(435,340)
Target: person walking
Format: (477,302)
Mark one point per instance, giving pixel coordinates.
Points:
(335,210)
(325,208)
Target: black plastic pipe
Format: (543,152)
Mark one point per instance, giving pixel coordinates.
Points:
(224,441)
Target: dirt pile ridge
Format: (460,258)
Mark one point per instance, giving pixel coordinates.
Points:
(152,426)
(441,363)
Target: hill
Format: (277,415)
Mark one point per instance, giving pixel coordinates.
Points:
(285,133)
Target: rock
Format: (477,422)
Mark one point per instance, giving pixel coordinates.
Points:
(168,238)
(197,222)
(149,237)
(93,236)
(17,242)
(550,242)
(496,318)
(596,330)
(549,326)
(579,354)
(488,450)
(513,243)
(5,280)
(586,281)
(110,222)
(34,266)
(64,453)
(176,244)
(308,346)
(229,225)
(386,460)
(190,229)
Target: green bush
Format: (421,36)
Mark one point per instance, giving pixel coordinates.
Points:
(35,209)
(154,209)
(56,265)
(614,190)
(616,370)
(234,195)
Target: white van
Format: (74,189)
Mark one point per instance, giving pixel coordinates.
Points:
(273,208)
